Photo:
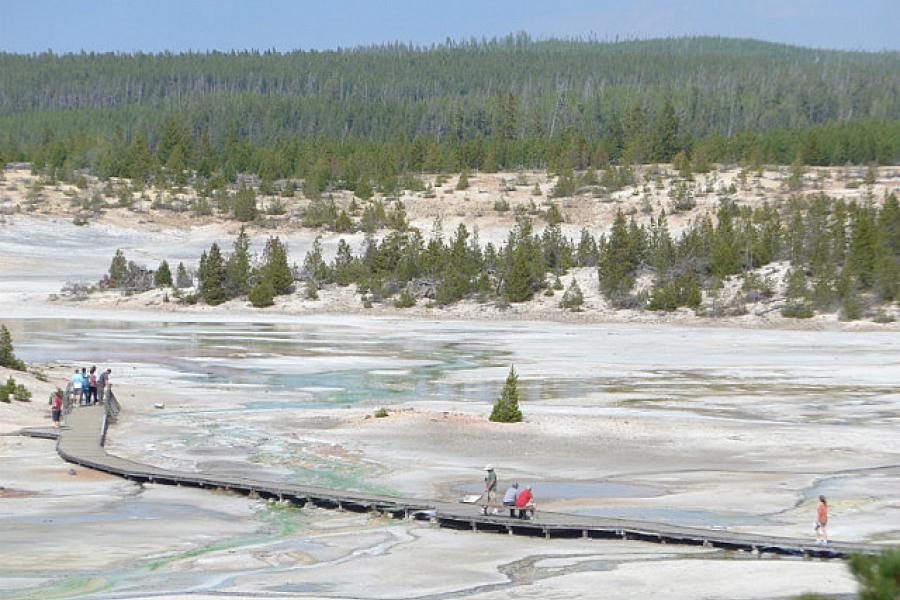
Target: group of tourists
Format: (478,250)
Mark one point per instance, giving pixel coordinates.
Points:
(519,502)
(86,387)
(86,382)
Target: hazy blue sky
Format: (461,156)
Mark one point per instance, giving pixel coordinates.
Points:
(156,25)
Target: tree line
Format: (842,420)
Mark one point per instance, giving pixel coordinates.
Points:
(368,115)
(842,256)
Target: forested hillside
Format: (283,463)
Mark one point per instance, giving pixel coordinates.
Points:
(372,113)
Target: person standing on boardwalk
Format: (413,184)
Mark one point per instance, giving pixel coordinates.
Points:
(103,384)
(92,386)
(822,521)
(56,402)
(85,387)
(76,386)
(490,488)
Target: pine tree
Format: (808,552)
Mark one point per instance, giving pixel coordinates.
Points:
(344,264)
(518,282)
(276,268)
(262,294)
(666,138)
(7,354)
(213,289)
(463,182)
(618,261)
(182,277)
(118,269)
(506,408)
(244,205)
(163,275)
(237,268)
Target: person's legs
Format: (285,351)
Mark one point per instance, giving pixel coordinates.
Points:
(94,395)
(824,534)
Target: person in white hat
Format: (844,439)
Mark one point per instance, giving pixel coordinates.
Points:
(490,488)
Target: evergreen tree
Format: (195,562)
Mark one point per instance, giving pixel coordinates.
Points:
(344,271)
(506,408)
(587,254)
(213,282)
(618,261)
(518,282)
(182,277)
(163,275)
(276,268)
(666,138)
(314,267)
(463,182)
(118,269)
(7,354)
(262,294)
(237,268)
(244,204)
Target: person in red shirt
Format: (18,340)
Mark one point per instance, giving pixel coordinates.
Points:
(525,502)
(822,521)
(56,407)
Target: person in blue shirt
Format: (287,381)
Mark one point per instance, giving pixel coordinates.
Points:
(85,387)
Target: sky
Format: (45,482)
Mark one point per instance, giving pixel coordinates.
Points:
(28,26)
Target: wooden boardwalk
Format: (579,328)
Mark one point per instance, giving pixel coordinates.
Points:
(81,442)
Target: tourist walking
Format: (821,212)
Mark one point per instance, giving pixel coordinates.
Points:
(56,403)
(822,521)
(92,385)
(85,386)
(509,498)
(490,489)
(75,382)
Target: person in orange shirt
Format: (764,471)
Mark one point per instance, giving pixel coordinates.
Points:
(822,521)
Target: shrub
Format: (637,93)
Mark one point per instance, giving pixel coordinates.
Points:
(798,309)
(18,391)
(553,216)
(381,413)
(573,299)
(405,300)
(262,294)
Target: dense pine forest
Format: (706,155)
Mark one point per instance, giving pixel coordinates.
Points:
(358,118)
